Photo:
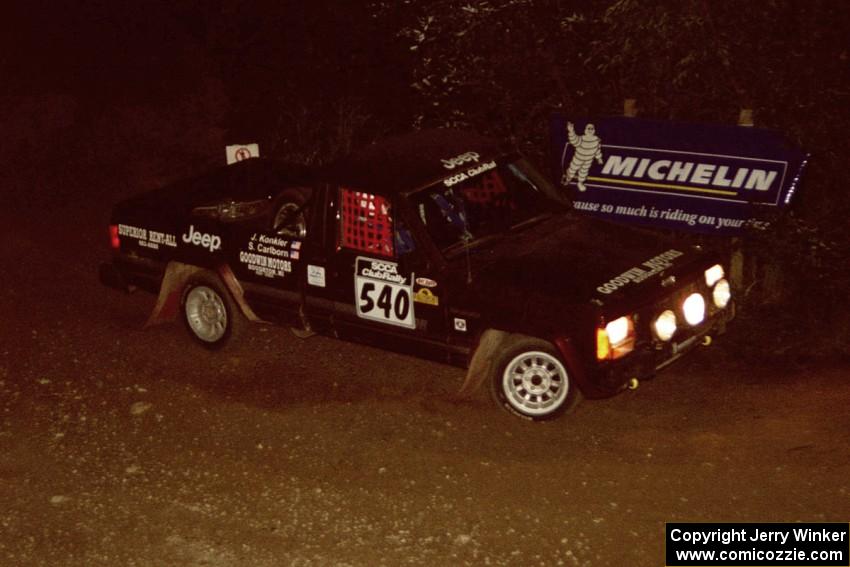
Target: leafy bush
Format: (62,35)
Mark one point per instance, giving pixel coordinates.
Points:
(502,66)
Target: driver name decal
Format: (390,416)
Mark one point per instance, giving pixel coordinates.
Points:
(275,246)
(269,256)
(648,269)
(382,294)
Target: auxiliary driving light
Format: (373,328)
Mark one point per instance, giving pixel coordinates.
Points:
(714,274)
(665,325)
(722,294)
(694,309)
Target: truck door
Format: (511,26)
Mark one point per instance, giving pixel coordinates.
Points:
(383,291)
(268,258)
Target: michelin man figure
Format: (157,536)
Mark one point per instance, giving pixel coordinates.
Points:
(588,147)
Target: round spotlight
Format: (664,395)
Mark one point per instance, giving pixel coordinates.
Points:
(714,274)
(694,309)
(722,294)
(665,325)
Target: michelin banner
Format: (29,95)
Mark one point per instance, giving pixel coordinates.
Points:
(704,178)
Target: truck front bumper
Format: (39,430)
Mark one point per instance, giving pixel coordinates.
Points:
(650,358)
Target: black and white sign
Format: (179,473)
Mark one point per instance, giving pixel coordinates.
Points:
(708,178)
(240,152)
(382,294)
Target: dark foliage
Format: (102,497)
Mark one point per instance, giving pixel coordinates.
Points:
(311,80)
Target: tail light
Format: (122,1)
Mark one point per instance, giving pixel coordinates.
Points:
(114,240)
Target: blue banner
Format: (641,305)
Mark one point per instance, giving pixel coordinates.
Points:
(704,178)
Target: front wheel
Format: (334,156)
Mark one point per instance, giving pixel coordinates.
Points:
(530,380)
(209,312)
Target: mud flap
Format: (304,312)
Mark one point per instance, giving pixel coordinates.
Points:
(168,301)
(482,362)
(171,290)
(229,279)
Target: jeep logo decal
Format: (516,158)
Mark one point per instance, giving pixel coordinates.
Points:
(211,242)
(453,162)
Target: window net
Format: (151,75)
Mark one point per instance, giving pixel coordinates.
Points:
(365,222)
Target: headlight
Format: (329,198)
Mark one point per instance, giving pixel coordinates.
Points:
(714,274)
(665,325)
(694,309)
(228,211)
(616,339)
(618,330)
(722,294)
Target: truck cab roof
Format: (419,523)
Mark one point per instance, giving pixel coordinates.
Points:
(409,162)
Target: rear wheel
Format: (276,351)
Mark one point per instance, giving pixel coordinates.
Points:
(209,312)
(530,380)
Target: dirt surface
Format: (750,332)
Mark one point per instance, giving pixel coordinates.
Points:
(128,446)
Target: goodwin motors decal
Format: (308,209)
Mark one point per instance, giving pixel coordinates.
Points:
(640,273)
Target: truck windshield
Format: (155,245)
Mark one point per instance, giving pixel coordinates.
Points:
(481,203)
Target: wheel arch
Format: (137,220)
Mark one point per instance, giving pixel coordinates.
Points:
(531,378)
(174,280)
(492,340)
(482,360)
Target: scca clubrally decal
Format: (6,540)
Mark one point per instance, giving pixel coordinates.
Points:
(382,294)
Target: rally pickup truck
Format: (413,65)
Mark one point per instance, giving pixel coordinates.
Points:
(441,244)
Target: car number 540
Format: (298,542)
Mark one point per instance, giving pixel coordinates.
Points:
(385,302)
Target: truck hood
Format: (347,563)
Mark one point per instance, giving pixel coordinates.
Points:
(577,260)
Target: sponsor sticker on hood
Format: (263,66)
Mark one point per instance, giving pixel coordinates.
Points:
(637,274)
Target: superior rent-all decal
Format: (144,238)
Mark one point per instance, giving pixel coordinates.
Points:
(638,274)
(147,238)
(270,256)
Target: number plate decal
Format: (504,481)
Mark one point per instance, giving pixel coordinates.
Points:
(382,294)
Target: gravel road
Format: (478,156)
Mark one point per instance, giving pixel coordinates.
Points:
(128,446)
